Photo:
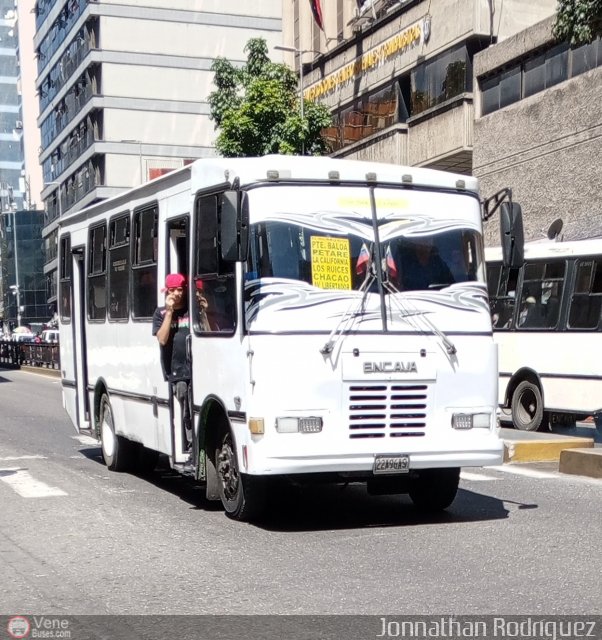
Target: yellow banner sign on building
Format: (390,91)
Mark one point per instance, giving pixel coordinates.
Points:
(330,263)
(396,45)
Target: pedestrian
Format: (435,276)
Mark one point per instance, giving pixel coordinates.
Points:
(171,326)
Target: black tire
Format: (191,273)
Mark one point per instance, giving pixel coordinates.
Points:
(118,452)
(434,489)
(243,496)
(527,407)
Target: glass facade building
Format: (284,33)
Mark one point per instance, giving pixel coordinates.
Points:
(12,161)
(23,267)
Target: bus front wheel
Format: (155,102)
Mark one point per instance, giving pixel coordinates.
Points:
(434,489)
(117,451)
(527,407)
(242,495)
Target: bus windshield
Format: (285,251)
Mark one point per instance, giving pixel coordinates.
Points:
(336,249)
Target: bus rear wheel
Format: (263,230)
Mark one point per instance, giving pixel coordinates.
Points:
(527,407)
(242,495)
(434,489)
(117,451)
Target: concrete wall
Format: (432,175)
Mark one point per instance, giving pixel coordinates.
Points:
(546,147)
(389,146)
(448,133)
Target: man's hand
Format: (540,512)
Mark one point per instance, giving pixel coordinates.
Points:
(170,302)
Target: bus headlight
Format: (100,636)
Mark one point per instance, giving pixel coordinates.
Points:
(310,424)
(471,420)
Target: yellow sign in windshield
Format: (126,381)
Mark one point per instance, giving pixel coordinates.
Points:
(363,202)
(330,263)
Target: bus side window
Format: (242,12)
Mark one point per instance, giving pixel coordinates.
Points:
(215,283)
(501,283)
(586,301)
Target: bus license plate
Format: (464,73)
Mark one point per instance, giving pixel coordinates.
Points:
(391,464)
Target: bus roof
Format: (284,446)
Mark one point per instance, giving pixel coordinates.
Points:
(250,170)
(552,249)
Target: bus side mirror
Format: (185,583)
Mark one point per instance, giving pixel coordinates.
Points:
(512,236)
(234,226)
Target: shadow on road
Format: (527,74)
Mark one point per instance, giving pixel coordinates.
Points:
(294,508)
(318,508)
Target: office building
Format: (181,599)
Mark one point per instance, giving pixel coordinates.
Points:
(11,120)
(23,296)
(398,75)
(123,91)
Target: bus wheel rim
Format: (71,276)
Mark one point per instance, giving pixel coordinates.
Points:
(227,470)
(108,438)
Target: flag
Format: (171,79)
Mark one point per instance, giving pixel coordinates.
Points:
(316,9)
(391,266)
(362,259)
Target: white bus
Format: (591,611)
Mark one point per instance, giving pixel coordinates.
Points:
(349,335)
(546,318)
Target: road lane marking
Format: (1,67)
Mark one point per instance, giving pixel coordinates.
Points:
(23,483)
(476,477)
(13,458)
(524,471)
(87,440)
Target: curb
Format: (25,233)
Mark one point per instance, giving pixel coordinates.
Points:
(581,462)
(43,371)
(543,450)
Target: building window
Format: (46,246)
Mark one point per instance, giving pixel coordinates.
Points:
(537,73)
(441,78)
(510,86)
(557,65)
(368,115)
(535,76)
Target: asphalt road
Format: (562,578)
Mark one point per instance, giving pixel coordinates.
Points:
(517,540)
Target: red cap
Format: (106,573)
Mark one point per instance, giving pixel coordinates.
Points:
(175,280)
(198,284)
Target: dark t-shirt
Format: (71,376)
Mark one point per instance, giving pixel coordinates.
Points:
(173,355)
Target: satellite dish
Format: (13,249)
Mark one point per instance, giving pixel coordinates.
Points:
(555,229)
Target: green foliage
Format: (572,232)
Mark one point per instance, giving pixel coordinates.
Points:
(578,21)
(256,108)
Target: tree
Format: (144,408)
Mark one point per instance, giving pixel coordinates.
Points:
(256,108)
(578,21)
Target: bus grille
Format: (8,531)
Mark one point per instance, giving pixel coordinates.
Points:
(387,410)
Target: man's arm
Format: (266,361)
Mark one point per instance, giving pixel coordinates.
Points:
(165,328)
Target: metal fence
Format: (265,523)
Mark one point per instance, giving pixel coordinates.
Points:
(32,354)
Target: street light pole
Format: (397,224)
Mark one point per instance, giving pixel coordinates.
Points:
(16,288)
(17,285)
(299,53)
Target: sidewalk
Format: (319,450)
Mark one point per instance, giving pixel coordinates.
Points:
(577,449)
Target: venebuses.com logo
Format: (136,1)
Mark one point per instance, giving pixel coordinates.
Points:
(35,627)
(18,627)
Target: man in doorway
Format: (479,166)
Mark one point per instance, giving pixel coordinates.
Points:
(171,325)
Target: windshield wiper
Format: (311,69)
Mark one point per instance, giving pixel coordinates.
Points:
(349,315)
(450,347)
